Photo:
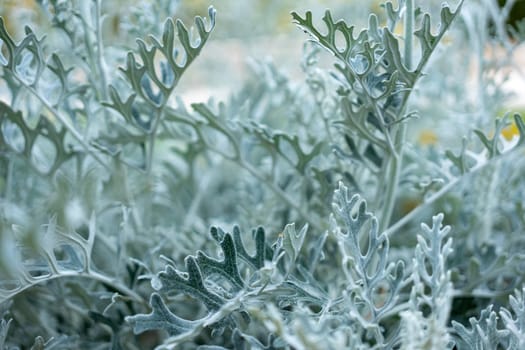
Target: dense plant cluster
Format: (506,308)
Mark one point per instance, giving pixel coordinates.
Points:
(294,215)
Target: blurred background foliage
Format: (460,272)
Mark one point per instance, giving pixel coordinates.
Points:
(487,81)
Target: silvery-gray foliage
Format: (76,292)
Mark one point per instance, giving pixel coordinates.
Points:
(109,184)
(425,322)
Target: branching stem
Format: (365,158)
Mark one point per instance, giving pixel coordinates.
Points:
(396,159)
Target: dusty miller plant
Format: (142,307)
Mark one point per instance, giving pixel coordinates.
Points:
(129,220)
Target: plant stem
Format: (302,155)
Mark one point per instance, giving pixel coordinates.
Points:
(197,199)
(444,190)
(151,139)
(117,285)
(100,53)
(409,28)
(102,73)
(396,161)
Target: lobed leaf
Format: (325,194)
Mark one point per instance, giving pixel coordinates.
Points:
(144,78)
(173,281)
(14,121)
(483,332)
(514,319)
(425,323)
(373,284)
(160,318)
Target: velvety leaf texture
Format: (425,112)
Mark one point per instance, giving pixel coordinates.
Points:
(160,318)
(373,203)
